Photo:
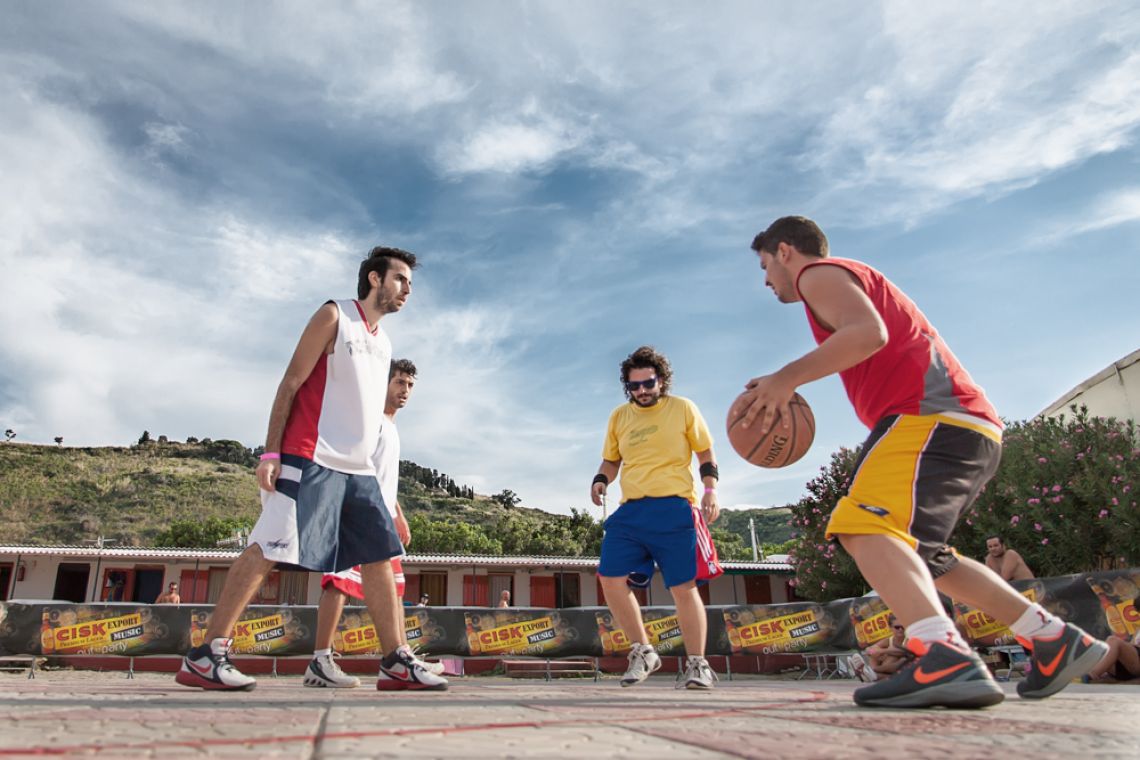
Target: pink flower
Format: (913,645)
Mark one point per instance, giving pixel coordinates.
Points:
(823,584)
(1057,499)
(1044,542)
(1041,460)
(1033,502)
(1115,503)
(1056,489)
(1080,456)
(1037,527)
(1015,520)
(1103,513)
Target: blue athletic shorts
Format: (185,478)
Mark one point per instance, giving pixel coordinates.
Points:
(643,531)
(324,520)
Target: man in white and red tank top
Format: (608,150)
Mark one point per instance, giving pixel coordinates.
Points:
(935,440)
(322,508)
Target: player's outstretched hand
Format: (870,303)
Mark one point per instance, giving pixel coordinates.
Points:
(769,402)
(598,494)
(267,473)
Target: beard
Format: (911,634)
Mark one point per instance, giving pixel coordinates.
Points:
(648,402)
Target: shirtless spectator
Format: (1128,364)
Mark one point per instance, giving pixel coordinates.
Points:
(885,657)
(171,596)
(1122,663)
(1006,562)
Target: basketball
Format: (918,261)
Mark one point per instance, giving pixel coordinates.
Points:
(779,447)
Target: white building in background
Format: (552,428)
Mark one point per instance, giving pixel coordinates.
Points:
(1112,392)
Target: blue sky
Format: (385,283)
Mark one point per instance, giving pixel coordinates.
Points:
(182,185)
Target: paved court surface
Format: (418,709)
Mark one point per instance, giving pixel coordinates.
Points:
(83,714)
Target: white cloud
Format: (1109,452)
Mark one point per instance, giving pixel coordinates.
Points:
(508,147)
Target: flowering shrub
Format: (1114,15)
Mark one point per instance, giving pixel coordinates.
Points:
(823,569)
(1064,497)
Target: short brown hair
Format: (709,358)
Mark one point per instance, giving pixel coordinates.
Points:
(797,231)
(647,357)
(379,259)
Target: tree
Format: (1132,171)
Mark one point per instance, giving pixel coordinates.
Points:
(144,438)
(201,534)
(58,440)
(9,434)
(506,498)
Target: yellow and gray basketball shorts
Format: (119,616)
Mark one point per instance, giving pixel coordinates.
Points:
(915,477)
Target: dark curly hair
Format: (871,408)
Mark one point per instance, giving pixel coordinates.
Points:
(647,357)
(402,365)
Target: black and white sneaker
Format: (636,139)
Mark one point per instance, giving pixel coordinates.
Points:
(323,672)
(209,667)
(698,674)
(401,670)
(643,660)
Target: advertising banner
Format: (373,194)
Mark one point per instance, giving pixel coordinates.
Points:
(661,626)
(106,629)
(1102,603)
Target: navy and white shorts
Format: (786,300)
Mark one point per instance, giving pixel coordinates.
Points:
(324,520)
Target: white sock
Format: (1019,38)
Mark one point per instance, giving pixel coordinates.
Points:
(220,646)
(321,653)
(937,628)
(1037,623)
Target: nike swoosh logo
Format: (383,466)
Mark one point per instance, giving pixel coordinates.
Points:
(1047,669)
(202,671)
(924,678)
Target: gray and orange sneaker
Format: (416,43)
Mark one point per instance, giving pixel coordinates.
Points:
(941,676)
(1055,662)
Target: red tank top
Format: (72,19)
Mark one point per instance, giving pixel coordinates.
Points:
(915,373)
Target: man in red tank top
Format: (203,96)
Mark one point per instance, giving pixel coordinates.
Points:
(935,440)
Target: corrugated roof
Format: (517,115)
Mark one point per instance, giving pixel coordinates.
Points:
(452,560)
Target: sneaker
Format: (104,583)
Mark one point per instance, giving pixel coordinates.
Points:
(402,671)
(323,672)
(941,676)
(1053,663)
(643,660)
(698,674)
(435,668)
(209,667)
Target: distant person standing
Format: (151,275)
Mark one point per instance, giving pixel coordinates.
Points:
(321,504)
(170,596)
(652,439)
(505,598)
(1005,561)
(425,600)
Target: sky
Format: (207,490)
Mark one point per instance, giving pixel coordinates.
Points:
(182,186)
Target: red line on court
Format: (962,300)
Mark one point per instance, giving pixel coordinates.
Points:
(814,696)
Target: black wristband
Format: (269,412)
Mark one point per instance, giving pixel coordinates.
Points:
(709,469)
(600,478)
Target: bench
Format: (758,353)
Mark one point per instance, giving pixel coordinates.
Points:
(548,669)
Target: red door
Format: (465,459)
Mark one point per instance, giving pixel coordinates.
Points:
(192,587)
(411,587)
(541,591)
(757,589)
(476,591)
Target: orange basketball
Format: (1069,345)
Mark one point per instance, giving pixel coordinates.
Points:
(780,446)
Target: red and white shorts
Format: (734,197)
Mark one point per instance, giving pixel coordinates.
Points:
(348,581)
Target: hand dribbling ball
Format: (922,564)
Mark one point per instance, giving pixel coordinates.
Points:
(778,447)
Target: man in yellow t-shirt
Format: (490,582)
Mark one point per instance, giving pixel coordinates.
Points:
(652,440)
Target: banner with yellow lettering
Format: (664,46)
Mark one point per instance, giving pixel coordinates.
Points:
(660,625)
(518,632)
(104,629)
(779,628)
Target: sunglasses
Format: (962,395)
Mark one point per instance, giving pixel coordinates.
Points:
(633,385)
(898,627)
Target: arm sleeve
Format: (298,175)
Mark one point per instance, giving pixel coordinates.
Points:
(610,449)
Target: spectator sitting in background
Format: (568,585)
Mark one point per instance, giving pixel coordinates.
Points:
(885,657)
(1122,663)
(1006,562)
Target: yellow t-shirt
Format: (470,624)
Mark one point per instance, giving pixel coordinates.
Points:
(655,446)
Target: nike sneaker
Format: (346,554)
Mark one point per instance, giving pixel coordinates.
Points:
(324,672)
(941,676)
(1054,662)
(643,660)
(698,674)
(401,670)
(209,667)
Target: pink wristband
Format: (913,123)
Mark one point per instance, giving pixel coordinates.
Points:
(270,455)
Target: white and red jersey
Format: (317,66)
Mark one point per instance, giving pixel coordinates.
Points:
(338,413)
(386,459)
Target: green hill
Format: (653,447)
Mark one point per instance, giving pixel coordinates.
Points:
(160,493)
